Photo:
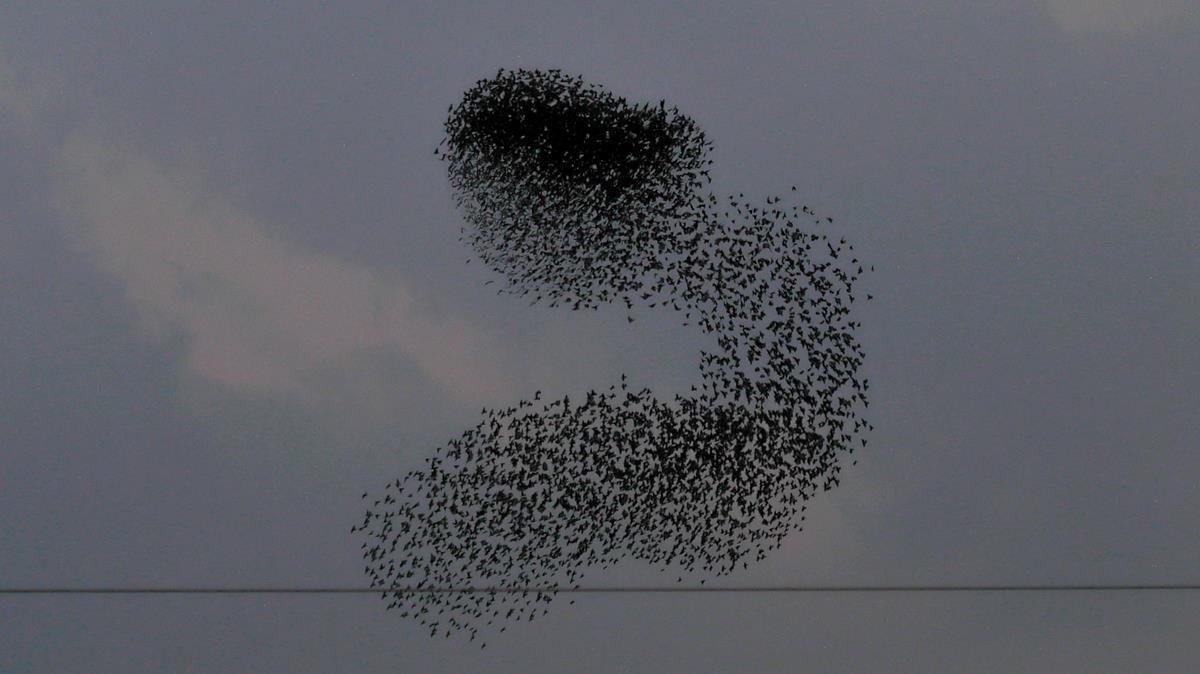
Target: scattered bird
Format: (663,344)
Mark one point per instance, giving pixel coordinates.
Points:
(578,197)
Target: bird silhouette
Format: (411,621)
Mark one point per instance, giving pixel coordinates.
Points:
(579,198)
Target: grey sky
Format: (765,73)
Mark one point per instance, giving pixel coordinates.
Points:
(232,299)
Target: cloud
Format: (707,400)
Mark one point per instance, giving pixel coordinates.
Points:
(260,314)
(257,313)
(1119,16)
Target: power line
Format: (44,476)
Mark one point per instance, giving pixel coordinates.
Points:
(1123,587)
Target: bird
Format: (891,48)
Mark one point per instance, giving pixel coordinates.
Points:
(579,198)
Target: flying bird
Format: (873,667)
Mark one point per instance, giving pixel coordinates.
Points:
(579,198)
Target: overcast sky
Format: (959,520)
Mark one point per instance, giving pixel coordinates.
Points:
(232,298)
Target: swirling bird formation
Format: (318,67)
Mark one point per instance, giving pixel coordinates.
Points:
(578,197)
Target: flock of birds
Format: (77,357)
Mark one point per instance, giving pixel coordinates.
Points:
(579,198)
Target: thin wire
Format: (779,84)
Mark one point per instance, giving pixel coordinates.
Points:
(1128,587)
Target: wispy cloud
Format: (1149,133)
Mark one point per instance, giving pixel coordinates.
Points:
(259,313)
(1119,16)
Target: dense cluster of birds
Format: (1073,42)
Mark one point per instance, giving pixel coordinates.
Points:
(580,198)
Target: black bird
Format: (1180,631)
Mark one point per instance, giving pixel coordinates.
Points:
(575,196)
